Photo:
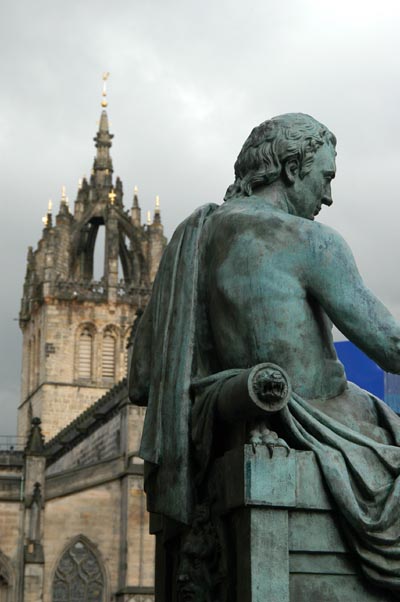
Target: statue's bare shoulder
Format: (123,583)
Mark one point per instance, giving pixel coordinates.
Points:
(256,227)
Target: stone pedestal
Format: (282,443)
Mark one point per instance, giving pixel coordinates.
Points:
(277,536)
(286,540)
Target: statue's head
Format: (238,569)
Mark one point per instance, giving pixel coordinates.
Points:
(293,137)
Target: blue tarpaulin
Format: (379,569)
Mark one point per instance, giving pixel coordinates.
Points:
(366,374)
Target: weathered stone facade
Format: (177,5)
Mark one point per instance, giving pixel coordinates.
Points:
(85,486)
(73,520)
(75,329)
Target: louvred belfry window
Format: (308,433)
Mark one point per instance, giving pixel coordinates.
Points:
(108,363)
(85,354)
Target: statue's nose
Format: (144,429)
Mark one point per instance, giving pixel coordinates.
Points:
(327,201)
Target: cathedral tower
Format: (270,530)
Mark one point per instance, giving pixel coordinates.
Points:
(75,328)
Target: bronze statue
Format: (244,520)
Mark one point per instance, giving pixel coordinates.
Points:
(258,281)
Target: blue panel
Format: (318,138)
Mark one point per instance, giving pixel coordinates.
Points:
(360,369)
(392,391)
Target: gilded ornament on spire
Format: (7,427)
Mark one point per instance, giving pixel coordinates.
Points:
(112,196)
(149,218)
(104,102)
(157,202)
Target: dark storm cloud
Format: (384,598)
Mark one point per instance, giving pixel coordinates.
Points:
(188,82)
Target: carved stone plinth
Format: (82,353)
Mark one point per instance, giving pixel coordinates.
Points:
(287,546)
(273,527)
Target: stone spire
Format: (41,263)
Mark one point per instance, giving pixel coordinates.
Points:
(64,207)
(157,211)
(135,211)
(102,166)
(48,218)
(35,445)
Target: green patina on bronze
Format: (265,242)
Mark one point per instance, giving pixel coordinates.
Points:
(258,280)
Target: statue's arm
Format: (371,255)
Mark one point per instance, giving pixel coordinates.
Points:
(334,280)
(139,363)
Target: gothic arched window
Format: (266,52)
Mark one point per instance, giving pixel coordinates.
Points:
(108,359)
(85,353)
(78,577)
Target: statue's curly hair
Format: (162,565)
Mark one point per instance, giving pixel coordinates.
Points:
(271,144)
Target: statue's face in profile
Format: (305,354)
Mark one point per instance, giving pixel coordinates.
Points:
(314,189)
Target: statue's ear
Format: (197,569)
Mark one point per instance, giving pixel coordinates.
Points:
(291,170)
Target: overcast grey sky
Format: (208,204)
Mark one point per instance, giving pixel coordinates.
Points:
(189,80)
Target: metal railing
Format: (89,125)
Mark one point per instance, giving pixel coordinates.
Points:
(12,444)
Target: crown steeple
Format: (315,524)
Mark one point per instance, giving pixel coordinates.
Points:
(102,166)
(65,260)
(92,269)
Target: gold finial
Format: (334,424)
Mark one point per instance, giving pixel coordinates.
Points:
(157,202)
(149,218)
(45,220)
(49,206)
(106,75)
(112,196)
(80,181)
(135,190)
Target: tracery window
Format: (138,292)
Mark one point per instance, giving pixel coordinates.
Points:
(85,354)
(108,363)
(78,577)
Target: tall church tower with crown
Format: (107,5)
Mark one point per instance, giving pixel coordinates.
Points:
(75,329)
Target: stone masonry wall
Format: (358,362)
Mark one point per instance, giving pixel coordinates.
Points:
(56,393)
(102,444)
(94,513)
(57,405)
(135,427)
(10,533)
(141,545)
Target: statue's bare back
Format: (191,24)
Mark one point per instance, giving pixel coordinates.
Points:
(273,287)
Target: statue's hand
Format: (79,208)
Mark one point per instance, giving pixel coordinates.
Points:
(262,435)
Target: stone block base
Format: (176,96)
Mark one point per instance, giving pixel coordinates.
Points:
(288,544)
